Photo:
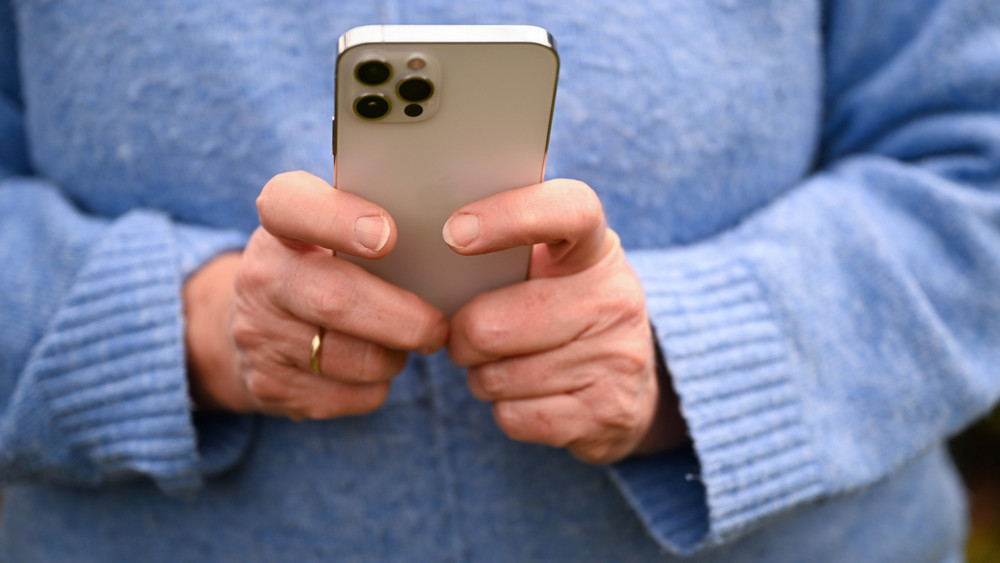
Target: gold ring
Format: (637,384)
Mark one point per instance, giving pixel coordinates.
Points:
(317,345)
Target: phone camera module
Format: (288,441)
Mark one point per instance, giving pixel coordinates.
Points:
(415,89)
(372,106)
(373,72)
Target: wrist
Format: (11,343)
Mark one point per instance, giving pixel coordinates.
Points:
(208,297)
(668,429)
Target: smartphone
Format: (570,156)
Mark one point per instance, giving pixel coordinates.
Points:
(430,118)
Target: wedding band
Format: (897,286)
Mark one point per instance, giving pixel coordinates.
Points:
(317,345)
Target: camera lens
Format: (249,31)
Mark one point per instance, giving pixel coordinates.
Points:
(372,106)
(373,72)
(415,89)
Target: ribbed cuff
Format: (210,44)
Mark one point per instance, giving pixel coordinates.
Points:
(196,245)
(669,496)
(732,367)
(111,367)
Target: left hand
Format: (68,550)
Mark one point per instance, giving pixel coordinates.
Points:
(567,357)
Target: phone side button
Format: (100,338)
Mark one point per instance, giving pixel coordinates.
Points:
(333,135)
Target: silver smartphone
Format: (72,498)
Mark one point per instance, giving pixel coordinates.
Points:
(430,118)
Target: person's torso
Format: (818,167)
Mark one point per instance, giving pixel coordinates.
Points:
(684,117)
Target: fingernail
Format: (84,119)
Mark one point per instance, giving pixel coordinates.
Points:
(372,232)
(461,230)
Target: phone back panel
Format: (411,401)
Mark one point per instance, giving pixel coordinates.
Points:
(484,129)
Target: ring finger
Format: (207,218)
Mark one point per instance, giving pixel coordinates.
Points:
(343,357)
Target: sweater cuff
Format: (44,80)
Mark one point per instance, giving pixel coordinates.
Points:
(732,367)
(197,245)
(111,367)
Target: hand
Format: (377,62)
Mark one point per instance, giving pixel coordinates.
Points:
(252,317)
(567,357)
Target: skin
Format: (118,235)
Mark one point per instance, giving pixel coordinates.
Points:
(567,358)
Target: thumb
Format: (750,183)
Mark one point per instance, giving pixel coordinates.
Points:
(564,215)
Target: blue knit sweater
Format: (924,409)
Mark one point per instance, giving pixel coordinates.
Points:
(809,191)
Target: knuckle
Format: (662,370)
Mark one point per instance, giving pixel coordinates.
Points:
(484,334)
(619,411)
(269,198)
(528,425)
(265,389)
(371,397)
(417,337)
(588,199)
(585,200)
(266,200)
(492,381)
(508,419)
(245,333)
(253,276)
(246,281)
(377,363)
(623,300)
(628,363)
(476,388)
(424,330)
(331,304)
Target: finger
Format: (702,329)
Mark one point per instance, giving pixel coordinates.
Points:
(297,206)
(286,341)
(556,420)
(565,370)
(326,291)
(565,215)
(490,327)
(296,394)
(591,433)
(343,357)
(545,313)
(623,354)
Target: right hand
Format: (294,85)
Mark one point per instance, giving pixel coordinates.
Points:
(252,316)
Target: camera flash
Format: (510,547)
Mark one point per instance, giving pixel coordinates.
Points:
(416,63)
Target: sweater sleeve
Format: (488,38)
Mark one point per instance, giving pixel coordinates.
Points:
(853,323)
(92,361)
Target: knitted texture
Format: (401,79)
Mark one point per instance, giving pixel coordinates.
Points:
(809,192)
